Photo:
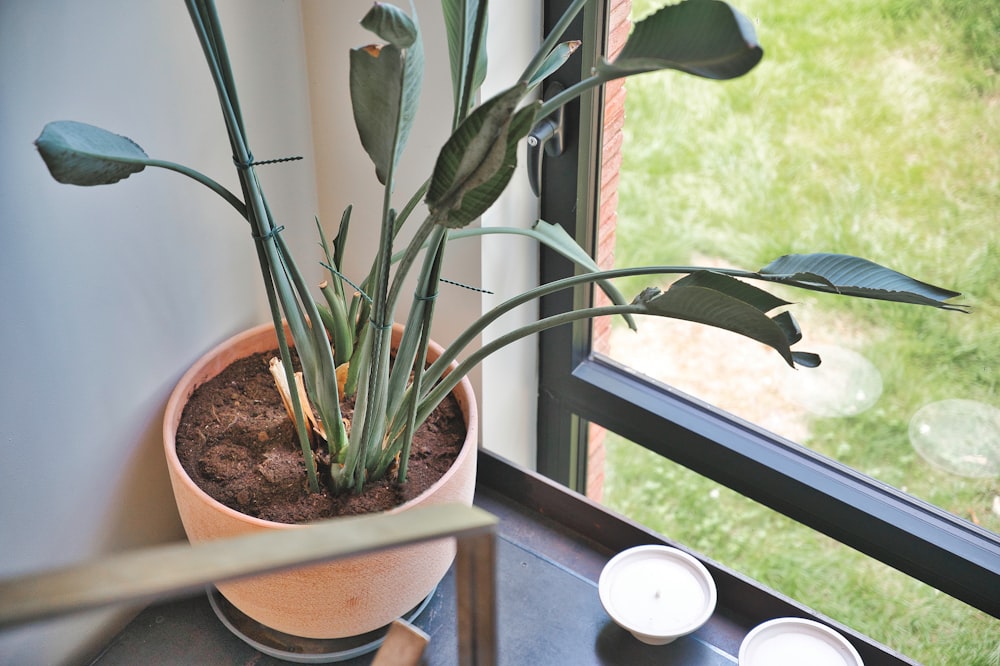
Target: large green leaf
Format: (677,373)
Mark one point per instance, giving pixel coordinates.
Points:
(707,38)
(81,154)
(478,160)
(709,298)
(385,82)
(479,198)
(854,276)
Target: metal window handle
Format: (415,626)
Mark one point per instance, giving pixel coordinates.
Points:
(548,134)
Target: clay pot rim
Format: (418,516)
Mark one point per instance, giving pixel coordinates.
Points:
(186,385)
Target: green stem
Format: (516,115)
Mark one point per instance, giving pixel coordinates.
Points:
(206,23)
(338,324)
(469,66)
(414,201)
(424,303)
(216,187)
(374,402)
(409,256)
(301,429)
(439,367)
(549,106)
(418,321)
(195,175)
(452,379)
(323,382)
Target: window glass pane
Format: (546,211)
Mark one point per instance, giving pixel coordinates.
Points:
(869,129)
(870,597)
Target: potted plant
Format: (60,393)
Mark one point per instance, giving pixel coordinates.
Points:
(342,336)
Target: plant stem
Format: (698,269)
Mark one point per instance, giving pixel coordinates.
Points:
(439,366)
(424,304)
(469,66)
(451,379)
(566,96)
(279,296)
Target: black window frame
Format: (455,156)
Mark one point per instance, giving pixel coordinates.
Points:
(577,387)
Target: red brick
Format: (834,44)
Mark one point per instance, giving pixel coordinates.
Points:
(619,26)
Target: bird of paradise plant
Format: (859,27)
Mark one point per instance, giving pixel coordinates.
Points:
(341,334)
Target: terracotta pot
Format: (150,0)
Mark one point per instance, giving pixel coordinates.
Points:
(338,599)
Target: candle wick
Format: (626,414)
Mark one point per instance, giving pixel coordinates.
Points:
(657,595)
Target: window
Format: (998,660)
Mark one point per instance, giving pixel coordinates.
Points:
(579,386)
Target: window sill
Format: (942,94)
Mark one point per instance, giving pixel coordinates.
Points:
(551,547)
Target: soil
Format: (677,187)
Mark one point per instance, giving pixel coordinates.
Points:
(237,443)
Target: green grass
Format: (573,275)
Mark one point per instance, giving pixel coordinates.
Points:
(870,128)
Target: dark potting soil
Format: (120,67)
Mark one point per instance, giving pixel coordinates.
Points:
(237,443)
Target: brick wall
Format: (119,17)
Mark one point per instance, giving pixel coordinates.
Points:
(611,157)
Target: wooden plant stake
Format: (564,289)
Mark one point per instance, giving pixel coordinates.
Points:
(403,646)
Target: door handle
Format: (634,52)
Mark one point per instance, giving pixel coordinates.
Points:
(547,135)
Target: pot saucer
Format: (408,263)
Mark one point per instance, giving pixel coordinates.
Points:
(297,648)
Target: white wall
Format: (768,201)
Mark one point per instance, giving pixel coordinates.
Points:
(109,293)
(510,264)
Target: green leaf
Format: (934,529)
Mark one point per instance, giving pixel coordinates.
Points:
(478,160)
(788,324)
(749,294)
(707,38)
(391,24)
(460,23)
(340,240)
(479,198)
(806,359)
(556,238)
(853,276)
(718,300)
(385,82)
(81,154)
(553,61)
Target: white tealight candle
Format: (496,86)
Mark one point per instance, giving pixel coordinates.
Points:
(791,641)
(657,593)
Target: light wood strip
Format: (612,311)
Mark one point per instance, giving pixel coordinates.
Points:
(475,591)
(403,646)
(179,569)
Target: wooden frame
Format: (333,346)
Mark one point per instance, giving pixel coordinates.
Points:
(179,569)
